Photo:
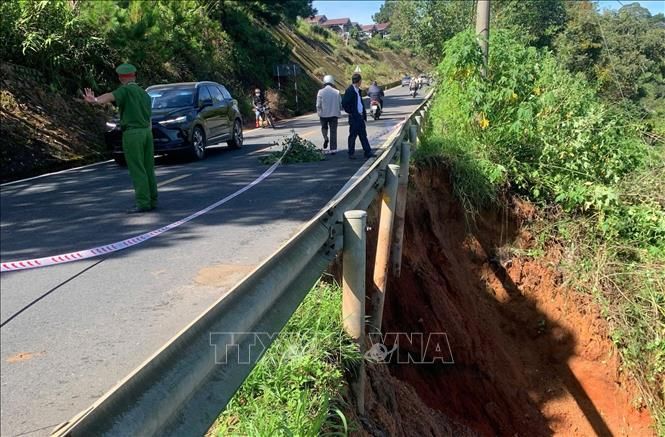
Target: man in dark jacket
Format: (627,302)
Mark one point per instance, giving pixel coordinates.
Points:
(352,103)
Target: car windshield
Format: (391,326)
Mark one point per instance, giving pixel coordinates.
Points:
(171,98)
(407,77)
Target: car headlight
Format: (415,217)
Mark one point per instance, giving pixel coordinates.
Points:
(110,125)
(180,119)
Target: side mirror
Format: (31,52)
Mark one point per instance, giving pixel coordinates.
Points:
(205,103)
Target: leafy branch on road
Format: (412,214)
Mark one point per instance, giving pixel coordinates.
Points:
(295,149)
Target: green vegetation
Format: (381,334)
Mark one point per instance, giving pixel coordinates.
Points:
(538,130)
(294,390)
(67,45)
(295,149)
(623,53)
(77,43)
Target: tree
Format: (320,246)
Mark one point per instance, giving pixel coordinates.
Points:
(425,25)
(539,21)
(580,45)
(385,12)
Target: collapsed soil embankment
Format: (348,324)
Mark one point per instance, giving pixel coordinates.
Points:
(531,357)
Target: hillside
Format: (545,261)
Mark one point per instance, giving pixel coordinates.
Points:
(46,127)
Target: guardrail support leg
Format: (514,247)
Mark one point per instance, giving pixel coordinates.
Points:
(353,297)
(413,133)
(388,200)
(400,209)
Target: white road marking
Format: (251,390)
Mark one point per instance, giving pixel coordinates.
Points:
(177,178)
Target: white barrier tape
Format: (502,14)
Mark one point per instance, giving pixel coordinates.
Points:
(12,266)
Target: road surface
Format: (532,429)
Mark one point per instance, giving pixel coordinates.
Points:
(70,332)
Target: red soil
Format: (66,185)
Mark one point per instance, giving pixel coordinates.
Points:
(531,357)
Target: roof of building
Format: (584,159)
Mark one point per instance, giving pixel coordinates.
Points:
(337,22)
(382,26)
(368,27)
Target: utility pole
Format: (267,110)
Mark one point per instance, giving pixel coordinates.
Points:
(483,29)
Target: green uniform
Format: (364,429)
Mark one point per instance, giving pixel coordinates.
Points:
(135,109)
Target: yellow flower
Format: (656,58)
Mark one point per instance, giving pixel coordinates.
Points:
(484,122)
(537,91)
(513,97)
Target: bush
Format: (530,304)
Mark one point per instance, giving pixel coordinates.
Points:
(545,127)
(535,128)
(295,149)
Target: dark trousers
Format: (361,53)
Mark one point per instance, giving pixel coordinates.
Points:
(357,129)
(326,123)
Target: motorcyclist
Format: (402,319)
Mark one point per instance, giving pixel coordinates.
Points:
(414,85)
(374,92)
(258,102)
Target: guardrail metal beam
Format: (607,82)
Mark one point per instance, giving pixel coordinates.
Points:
(181,389)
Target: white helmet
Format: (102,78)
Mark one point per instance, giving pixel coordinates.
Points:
(328,78)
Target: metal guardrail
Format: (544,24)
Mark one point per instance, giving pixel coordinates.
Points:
(181,389)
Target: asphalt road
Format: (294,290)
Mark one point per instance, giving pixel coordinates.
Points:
(70,332)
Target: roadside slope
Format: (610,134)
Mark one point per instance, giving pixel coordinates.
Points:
(44,128)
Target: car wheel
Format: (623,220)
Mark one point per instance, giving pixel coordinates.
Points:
(236,140)
(119,159)
(198,146)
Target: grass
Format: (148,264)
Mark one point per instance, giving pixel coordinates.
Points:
(294,390)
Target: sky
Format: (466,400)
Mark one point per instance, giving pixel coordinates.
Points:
(362,11)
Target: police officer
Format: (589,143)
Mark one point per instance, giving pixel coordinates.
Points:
(137,144)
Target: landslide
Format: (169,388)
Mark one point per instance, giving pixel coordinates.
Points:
(532,358)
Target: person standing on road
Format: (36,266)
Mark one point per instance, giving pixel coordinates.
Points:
(329,109)
(135,109)
(258,102)
(352,103)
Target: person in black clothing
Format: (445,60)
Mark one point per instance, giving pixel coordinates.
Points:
(375,92)
(352,103)
(258,101)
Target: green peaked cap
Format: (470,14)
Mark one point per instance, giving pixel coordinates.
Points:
(125,69)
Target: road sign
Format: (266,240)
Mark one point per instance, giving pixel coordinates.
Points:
(284,70)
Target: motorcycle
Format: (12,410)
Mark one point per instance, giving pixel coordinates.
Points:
(375,108)
(414,91)
(266,117)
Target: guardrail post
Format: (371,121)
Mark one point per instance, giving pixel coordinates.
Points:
(353,299)
(388,200)
(400,209)
(419,123)
(353,296)
(413,133)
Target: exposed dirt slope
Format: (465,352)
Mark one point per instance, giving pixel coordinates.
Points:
(319,56)
(42,130)
(531,358)
(393,408)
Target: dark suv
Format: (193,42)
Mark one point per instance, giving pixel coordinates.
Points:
(187,117)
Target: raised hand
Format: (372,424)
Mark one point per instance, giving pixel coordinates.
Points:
(89,96)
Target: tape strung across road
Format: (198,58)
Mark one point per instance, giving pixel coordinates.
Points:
(13,266)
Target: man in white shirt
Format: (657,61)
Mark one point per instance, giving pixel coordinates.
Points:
(329,109)
(352,103)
